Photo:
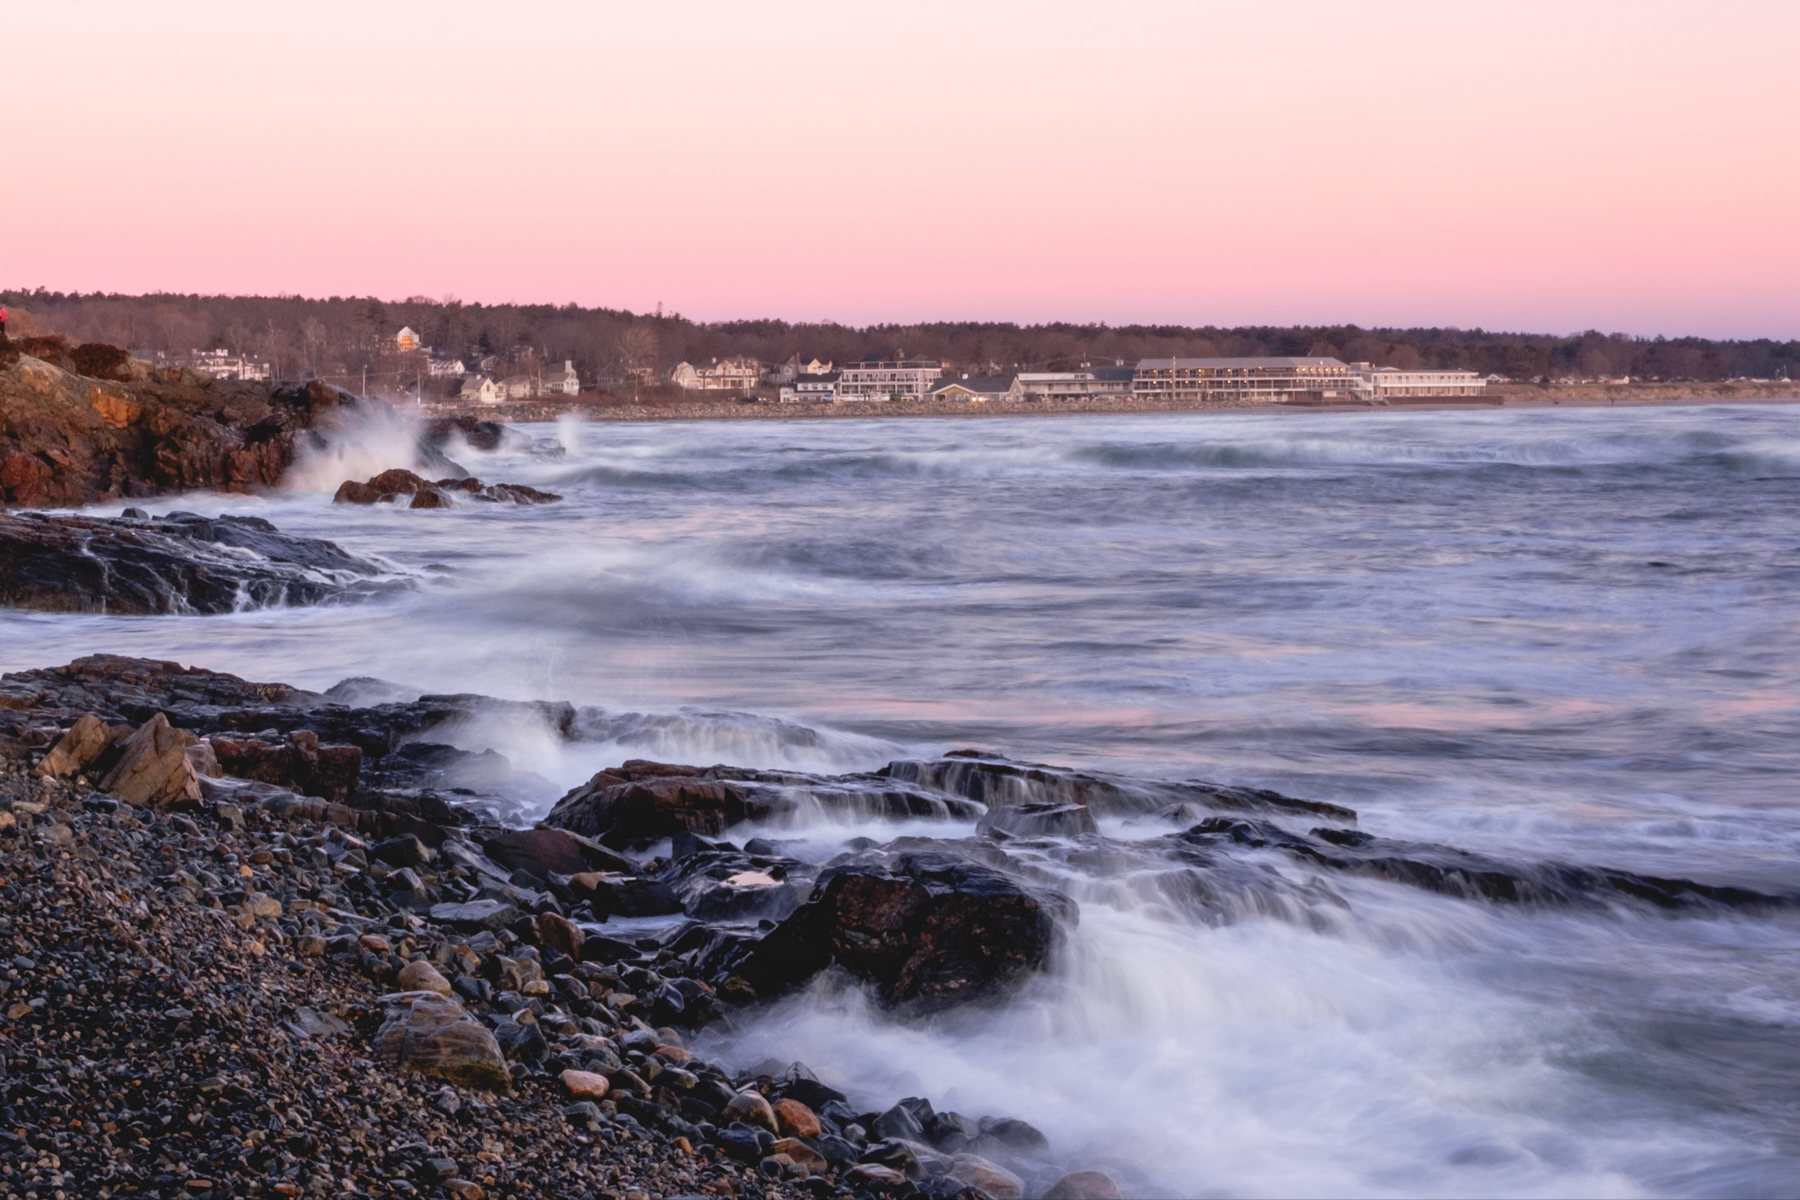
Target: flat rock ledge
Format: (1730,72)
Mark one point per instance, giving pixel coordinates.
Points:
(182,563)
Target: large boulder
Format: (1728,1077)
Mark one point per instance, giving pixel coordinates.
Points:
(930,930)
(181,563)
(425,1031)
(643,801)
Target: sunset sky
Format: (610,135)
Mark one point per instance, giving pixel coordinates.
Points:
(1543,166)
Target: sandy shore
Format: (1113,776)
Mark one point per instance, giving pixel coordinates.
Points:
(600,408)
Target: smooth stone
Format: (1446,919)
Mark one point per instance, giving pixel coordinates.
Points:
(1084,1185)
(990,1177)
(796,1120)
(424,1031)
(421,976)
(752,1108)
(585,1084)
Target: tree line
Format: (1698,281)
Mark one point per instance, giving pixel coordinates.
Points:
(345,335)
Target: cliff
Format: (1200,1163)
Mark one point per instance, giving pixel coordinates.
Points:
(126,430)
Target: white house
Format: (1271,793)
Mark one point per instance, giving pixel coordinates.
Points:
(1392,383)
(406,340)
(1090,381)
(731,374)
(446,368)
(896,378)
(480,389)
(564,382)
(812,388)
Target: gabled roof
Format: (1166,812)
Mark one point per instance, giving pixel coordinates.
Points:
(980,385)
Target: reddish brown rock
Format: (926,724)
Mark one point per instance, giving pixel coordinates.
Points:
(560,934)
(991,1178)
(642,800)
(796,1120)
(585,1085)
(1084,1185)
(70,438)
(302,763)
(390,486)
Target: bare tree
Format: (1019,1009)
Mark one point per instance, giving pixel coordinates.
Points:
(637,346)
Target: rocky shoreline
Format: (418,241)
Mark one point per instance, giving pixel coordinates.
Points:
(272,942)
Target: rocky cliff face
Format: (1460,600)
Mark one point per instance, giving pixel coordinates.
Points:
(68,439)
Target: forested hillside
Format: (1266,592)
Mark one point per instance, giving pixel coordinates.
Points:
(346,335)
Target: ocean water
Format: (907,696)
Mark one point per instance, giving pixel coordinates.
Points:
(1563,635)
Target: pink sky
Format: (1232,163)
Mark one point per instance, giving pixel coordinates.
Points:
(1544,166)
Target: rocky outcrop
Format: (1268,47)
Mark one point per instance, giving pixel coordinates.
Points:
(928,929)
(182,563)
(996,782)
(69,439)
(154,767)
(391,487)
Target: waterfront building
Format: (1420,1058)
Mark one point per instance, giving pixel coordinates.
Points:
(812,387)
(1391,384)
(729,375)
(978,389)
(445,368)
(480,389)
(223,364)
(896,378)
(1264,380)
(1064,385)
(562,383)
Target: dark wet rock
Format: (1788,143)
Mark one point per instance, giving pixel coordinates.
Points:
(69,439)
(997,782)
(1014,1134)
(547,852)
(641,800)
(300,762)
(1461,873)
(729,885)
(1038,820)
(929,929)
(951,1131)
(182,563)
(475,915)
(898,1122)
(477,434)
(397,485)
